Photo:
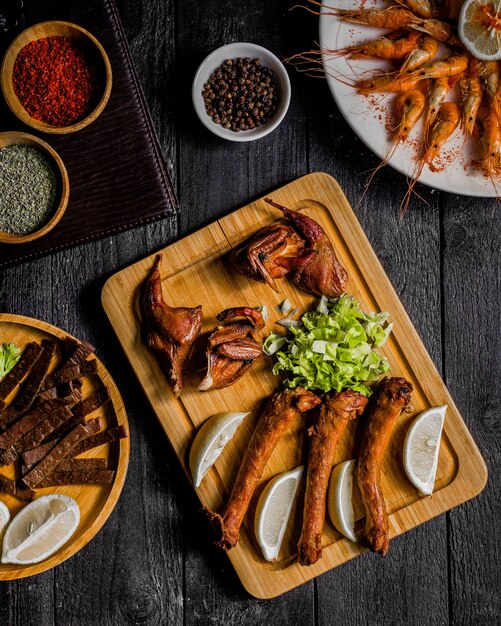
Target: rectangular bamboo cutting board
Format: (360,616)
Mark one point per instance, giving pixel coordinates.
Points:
(196,271)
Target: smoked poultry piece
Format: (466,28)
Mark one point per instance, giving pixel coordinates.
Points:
(170,332)
(282,408)
(271,253)
(392,396)
(328,427)
(232,348)
(322,275)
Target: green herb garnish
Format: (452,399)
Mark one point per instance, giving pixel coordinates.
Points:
(9,356)
(332,348)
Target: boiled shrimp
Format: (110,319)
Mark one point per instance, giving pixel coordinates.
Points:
(419,56)
(423,8)
(392,48)
(395,17)
(489,72)
(455,64)
(472,92)
(409,107)
(438,93)
(488,126)
(447,121)
(387,83)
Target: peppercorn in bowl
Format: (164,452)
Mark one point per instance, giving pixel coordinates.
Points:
(56,77)
(34,188)
(241,92)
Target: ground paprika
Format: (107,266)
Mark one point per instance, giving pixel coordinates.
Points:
(57,80)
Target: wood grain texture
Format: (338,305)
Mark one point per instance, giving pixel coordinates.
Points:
(429,577)
(471,282)
(198,263)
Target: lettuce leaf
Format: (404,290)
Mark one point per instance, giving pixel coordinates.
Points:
(333,348)
(9,356)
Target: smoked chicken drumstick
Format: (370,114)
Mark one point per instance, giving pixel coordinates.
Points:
(170,332)
(392,396)
(283,407)
(330,421)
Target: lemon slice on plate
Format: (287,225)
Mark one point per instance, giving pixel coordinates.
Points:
(210,441)
(273,511)
(40,529)
(4,516)
(421,448)
(479,28)
(340,498)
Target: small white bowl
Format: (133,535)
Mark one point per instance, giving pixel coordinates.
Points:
(236,51)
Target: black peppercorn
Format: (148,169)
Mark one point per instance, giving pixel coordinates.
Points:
(241,94)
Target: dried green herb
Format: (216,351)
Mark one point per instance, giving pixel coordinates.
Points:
(27,189)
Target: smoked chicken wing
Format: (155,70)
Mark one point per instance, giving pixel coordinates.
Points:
(325,433)
(283,407)
(232,348)
(322,274)
(392,396)
(170,332)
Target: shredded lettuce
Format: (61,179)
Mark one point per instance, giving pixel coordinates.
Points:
(9,356)
(333,348)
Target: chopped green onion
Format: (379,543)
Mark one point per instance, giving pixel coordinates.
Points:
(284,307)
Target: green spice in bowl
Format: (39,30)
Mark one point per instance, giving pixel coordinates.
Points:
(34,188)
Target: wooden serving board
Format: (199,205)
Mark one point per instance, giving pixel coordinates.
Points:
(96,502)
(195,271)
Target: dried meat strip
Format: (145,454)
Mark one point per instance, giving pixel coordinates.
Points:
(37,375)
(92,403)
(107,436)
(49,463)
(35,437)
(80,412)
(78,477)
(82,351)
(79,465)
(70,373)
(7,485)
(26,423)
(28,359)
(33,456)
(10,414)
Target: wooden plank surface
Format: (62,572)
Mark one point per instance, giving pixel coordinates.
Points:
(197,265)
(434,576)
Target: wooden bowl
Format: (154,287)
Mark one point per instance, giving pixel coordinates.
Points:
(40,31)
(63,184)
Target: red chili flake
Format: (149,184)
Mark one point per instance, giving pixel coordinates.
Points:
(57,80)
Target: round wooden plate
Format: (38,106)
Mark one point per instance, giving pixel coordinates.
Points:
(96,502)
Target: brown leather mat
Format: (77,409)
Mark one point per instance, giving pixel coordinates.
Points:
(117,174)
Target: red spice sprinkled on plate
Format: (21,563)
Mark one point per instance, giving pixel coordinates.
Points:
(56,80)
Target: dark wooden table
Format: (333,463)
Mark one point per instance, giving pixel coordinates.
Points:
(153,562)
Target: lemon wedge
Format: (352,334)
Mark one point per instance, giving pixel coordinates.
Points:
(340,498)
(273,511)
(4,516)
(40,529)
(421,448)
(479,28)
(210,441)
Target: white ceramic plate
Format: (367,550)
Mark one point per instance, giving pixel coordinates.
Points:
(235,51)
(370,116)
